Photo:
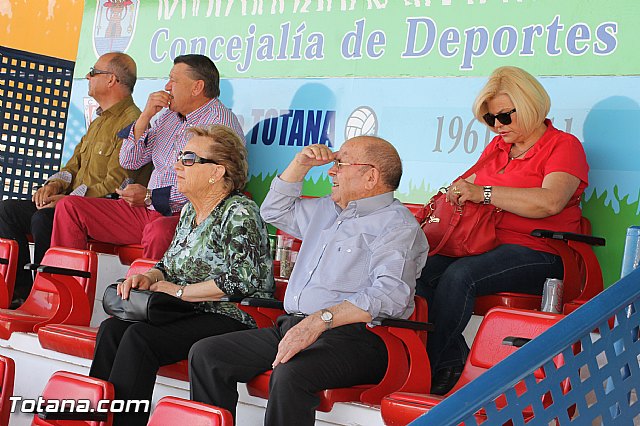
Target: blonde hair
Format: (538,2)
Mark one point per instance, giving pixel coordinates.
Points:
(531,101)
(228,150)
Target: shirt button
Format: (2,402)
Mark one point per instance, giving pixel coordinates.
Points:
(310,272)
(295,297)
(339,222)
(348,250)
(324,246)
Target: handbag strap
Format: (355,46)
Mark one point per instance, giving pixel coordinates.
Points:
(455,219)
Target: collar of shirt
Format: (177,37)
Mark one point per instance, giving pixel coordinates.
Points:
(506,147)
(117,108)
(364,206)
(195,115)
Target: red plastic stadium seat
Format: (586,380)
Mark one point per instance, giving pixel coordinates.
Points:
(64,385)
(8,266)
(171,411)
(408,368)
(62,293)
(126,253)
(100,247)
(582,278)
(487,350)
(414,208)
(7,374)
(129,253)
(80,340)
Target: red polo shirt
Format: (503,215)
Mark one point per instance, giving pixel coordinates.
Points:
(556,151)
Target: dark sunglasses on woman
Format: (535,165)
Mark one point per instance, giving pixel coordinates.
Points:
(503,117)
(189,158)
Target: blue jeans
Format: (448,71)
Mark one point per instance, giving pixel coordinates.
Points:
(451,284)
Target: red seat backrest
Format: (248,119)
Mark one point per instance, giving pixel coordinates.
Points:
(7,375)
(140,266)
(414,208)
(8,251)
(72,386)
(44,296)
(171,411)
(487,349)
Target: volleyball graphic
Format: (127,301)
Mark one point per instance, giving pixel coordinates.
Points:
(362,121)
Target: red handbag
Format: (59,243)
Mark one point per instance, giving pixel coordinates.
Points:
(459,231)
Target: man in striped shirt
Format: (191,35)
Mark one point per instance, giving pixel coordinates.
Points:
(149,215)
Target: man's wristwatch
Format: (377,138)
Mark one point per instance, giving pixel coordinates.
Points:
(147,198)
(326,316)
(180,292)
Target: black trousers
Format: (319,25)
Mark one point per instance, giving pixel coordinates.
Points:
(129,354)
(342,357)
(17,219)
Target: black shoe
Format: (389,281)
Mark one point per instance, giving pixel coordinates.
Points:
(445,379)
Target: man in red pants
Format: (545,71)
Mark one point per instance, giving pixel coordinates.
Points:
(149,215)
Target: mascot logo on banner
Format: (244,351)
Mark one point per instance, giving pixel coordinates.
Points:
(114,25)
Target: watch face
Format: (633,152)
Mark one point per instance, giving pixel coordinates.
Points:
(326,316)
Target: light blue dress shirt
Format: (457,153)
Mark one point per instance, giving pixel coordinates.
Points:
(369,254)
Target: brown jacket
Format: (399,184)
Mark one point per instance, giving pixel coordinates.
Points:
(95,161)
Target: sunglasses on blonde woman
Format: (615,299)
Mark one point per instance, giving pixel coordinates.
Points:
(503,117)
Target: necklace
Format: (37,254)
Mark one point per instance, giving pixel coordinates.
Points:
(519,155)
(215,204)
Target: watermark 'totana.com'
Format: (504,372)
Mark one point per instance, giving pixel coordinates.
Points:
(42,405)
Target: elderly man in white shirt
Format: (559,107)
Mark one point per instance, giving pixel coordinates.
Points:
(362,251)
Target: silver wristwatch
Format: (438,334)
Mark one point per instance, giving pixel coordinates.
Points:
(486,192)
(326,316)
(180,292)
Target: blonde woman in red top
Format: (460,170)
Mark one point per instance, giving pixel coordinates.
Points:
(535,174)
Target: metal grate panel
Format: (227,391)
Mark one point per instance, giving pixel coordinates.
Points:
(603,374)
(34,100)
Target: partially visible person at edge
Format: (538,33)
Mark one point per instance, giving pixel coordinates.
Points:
(535,175)
(92,171)
(148,216)
(221,247)
(361,253)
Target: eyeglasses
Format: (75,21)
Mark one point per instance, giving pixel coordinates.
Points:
(93,72)
(503,117)
(338,164)
(189,158)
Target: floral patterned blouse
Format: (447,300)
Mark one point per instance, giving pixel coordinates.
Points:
(230,247)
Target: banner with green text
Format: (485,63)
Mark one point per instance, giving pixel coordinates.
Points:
(368,38)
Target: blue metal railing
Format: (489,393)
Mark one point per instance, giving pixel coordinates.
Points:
(605,381)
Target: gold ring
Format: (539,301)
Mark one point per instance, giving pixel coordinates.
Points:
(457,192)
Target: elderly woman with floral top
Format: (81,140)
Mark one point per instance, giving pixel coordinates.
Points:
(220,248)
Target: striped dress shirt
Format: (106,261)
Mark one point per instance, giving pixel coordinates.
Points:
(161,143)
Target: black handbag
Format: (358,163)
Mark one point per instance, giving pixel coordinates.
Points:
(153,307)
